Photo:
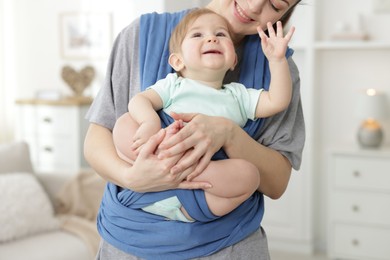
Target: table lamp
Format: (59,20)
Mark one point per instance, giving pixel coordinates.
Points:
(371,107)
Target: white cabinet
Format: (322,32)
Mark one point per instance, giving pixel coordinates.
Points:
(359,204)
(333,72)
(55,131)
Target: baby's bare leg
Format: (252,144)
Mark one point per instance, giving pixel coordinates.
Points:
(122,134)
(233,180)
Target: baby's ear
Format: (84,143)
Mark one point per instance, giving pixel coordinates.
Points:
(176,62)
(235,63)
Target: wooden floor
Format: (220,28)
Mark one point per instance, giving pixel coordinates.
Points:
(278,255)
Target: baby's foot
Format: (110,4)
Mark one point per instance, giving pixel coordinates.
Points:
(173,128)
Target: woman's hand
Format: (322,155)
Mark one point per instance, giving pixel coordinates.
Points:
(150,174)
(147,174)
(200,138)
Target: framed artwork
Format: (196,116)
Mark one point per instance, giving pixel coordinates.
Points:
(85,35)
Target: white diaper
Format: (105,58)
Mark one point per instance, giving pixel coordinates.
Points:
(169,208)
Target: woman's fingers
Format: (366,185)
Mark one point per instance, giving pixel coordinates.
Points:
(181,135)
(151,145)
(202,164)
(194,185)
(177,138)
(186,183)
(189,136)
(152,174)
(196,143)
(185,117)
(187,161)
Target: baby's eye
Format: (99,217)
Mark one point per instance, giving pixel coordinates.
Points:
(221,34)
(196,35)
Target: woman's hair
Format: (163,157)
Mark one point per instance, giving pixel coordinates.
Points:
(183,26)
(286,17)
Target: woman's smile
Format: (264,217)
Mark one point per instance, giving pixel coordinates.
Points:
(240,14)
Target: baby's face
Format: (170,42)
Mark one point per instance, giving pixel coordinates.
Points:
(207,45)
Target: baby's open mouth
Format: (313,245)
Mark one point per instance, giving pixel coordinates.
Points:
(212,52)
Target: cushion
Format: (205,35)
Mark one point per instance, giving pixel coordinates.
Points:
(81,196)
(78,203)
(15,157)
(55,245)
(25,207)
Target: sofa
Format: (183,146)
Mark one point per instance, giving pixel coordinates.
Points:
(35,223)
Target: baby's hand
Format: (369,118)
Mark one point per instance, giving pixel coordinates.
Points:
(275,46)
(142,135)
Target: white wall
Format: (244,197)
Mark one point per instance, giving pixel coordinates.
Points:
(37,40)
(2,94)
(32,47)
(7,72)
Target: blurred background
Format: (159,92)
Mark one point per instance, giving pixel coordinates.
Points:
(342,48)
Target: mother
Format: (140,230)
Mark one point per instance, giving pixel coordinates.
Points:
(277,147)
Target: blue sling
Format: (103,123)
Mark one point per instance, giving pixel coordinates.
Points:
(122,222)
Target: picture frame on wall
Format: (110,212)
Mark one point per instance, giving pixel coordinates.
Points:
(85,35)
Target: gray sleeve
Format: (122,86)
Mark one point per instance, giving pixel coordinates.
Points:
(122,79)
(285,132)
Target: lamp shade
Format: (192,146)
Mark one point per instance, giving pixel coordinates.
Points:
(372,104)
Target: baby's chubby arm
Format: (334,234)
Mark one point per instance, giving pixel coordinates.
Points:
(274,46)
(142,108)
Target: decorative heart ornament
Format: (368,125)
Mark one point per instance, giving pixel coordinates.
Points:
(78,81)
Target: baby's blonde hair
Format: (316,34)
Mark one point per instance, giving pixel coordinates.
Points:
(181,29)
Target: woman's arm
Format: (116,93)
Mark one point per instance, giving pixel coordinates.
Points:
(148,172)
(280,145)
(274,168)
(98,145)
